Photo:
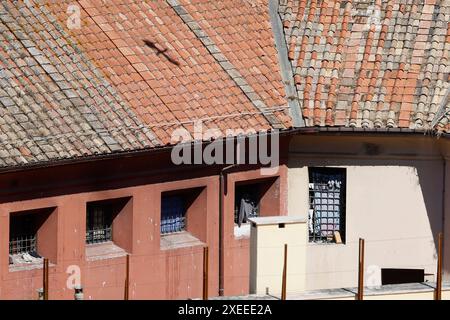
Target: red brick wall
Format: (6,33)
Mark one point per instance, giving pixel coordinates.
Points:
(154,273)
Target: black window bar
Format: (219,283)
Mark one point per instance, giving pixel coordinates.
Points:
(22,244)
(327,204)
(173,214)
(22,236)
(99,223)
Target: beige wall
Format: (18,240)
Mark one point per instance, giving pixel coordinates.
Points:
(267,254)
(394,201)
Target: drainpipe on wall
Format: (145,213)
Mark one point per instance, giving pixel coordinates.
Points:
(443,208)
(222,192)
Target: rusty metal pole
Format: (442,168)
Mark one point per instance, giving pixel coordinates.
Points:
(360,295)
(127,278)
(284,283)
(205,272)
(45,279)
(438,290)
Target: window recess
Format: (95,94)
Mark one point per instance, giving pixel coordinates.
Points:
(32,236)
(173,214)
(99,220)
(247,203)
(109,228)
(184,216)
(326,216)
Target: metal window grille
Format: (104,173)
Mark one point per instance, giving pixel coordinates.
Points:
(22,244)
(173,214)
(327,204)
(99,223)
(251,193)
(22,236)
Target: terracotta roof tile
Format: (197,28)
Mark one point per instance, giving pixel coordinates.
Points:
(130,73)
(174,62)
(370,63)
(133,71)
(55,103)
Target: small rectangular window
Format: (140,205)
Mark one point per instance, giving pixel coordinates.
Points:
(99,221)
(109,228)
(173,213)
(32,235)
(183,218)
(326,217)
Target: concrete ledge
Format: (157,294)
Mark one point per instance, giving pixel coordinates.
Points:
(242,232)
(416,291)
(102,251)
(276,220)
(386,290)
(179,240)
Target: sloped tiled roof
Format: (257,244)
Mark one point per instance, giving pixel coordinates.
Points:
(133,71)
(243,32)
(163,68)
(54,103)
(130,73)
(370,63)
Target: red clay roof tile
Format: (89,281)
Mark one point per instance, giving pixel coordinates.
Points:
(390,58)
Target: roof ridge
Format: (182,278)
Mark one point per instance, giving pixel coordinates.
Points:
(39,121)
(104,83)
(68,88)
(285,66)
(443,109)
(225,63)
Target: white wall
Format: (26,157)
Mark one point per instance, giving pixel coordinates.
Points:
(394,202)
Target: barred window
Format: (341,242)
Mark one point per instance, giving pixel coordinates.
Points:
(99,220)
(30,233)
(326,217)
(173,214)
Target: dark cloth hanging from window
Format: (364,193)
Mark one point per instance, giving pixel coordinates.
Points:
(247,208)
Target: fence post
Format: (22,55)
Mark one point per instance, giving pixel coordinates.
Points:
(45,279)
(360,295)
(127,278)
(284,281)
(205,272)
(438,290)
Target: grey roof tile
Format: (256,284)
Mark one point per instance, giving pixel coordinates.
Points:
(391,69)
(43,107)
